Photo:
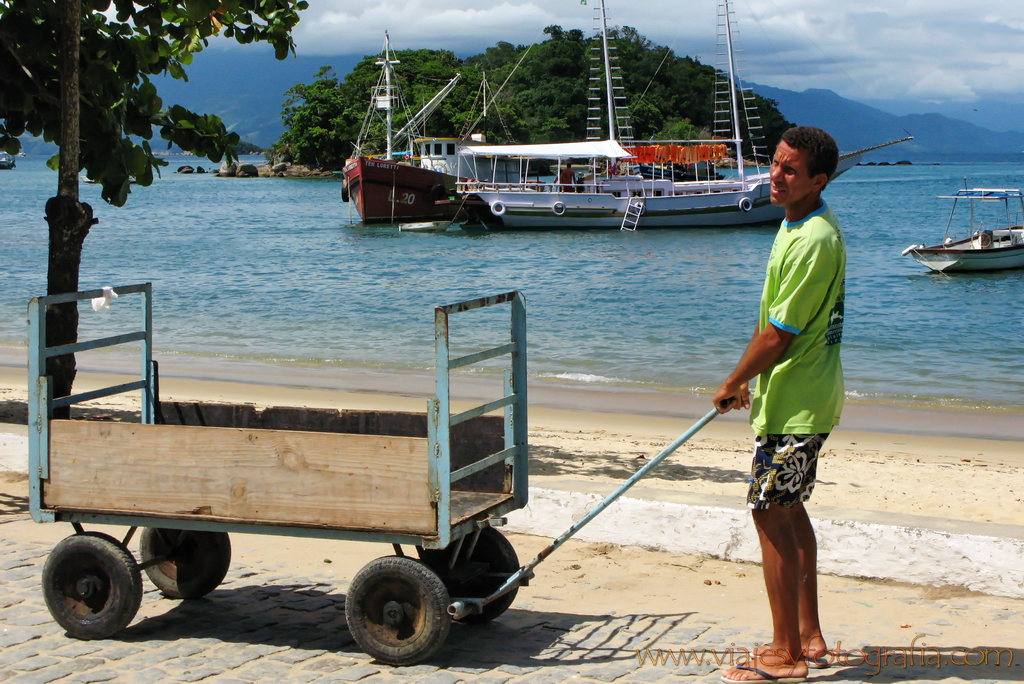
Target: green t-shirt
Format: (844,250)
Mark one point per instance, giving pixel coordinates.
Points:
(804,290)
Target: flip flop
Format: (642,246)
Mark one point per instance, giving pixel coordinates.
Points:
(816,663)
(819,662)
(765,677)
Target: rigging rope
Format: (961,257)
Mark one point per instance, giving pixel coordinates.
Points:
(469,129)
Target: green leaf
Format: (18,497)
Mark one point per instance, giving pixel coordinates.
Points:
(200,9)
(177,113)
(137,160)
(176,71)
(120,195)
(145,179)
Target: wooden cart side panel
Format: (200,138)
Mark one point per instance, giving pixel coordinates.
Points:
(470,441)
(275,476)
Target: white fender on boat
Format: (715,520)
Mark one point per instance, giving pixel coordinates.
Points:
(558,208)
(910,249)
(498,208)
(745,204)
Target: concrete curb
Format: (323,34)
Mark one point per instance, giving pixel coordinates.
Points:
(13,452)
(982,557)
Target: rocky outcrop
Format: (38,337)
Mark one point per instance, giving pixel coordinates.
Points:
(186,169)
(288,170)
(278,170)
(279,155)
(247,171)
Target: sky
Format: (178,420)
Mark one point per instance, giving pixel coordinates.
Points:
(941,51)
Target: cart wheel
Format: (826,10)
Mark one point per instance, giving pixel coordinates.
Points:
(397,610)
(495,559)
(194,563)
(91,585)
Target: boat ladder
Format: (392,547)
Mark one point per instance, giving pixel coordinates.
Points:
(634,209)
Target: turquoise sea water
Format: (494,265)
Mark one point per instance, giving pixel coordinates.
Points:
(276,270)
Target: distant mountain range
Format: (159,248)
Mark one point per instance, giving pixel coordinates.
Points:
(856,126)
(246,88)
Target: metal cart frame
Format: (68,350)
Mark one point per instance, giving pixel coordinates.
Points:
(447,563)
(441,477)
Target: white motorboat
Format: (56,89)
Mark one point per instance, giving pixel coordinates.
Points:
(981,248)
(425,227)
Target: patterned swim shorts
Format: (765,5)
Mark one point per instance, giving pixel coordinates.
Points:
(783,472)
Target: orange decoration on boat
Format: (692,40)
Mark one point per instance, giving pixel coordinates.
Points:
(678,154)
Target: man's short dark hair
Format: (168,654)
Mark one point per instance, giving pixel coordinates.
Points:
(822,151)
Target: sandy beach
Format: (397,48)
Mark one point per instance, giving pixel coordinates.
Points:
(592,437)
(962,479)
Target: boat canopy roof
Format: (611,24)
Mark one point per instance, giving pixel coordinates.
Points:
(985,194)
(593,148)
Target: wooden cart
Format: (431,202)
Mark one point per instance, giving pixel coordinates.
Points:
(190,474)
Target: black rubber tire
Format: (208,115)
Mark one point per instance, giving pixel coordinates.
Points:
(438,192)
(196,562)
(92,585)
(397,610)
(492,548)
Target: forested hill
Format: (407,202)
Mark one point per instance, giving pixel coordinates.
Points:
(544,99)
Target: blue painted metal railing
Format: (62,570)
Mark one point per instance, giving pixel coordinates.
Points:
(440,476)
(40,395)
(514,402)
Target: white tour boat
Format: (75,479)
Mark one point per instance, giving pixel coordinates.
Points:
(501,187)
(627,183)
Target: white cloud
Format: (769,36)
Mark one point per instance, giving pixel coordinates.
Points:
(941,86)
(927,49)
(343,27)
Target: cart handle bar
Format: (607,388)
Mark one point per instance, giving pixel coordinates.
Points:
(467,606)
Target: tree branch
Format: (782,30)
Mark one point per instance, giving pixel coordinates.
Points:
(40,90)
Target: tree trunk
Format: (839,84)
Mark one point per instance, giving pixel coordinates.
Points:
(70,40)
(69,220)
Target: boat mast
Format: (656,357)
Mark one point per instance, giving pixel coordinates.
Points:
(612,120)
(387,100)
(732,87)
(421,116)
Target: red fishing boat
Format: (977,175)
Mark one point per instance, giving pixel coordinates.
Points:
(389,191)
(397,186)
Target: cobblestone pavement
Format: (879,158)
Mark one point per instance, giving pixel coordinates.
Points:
(266,624)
